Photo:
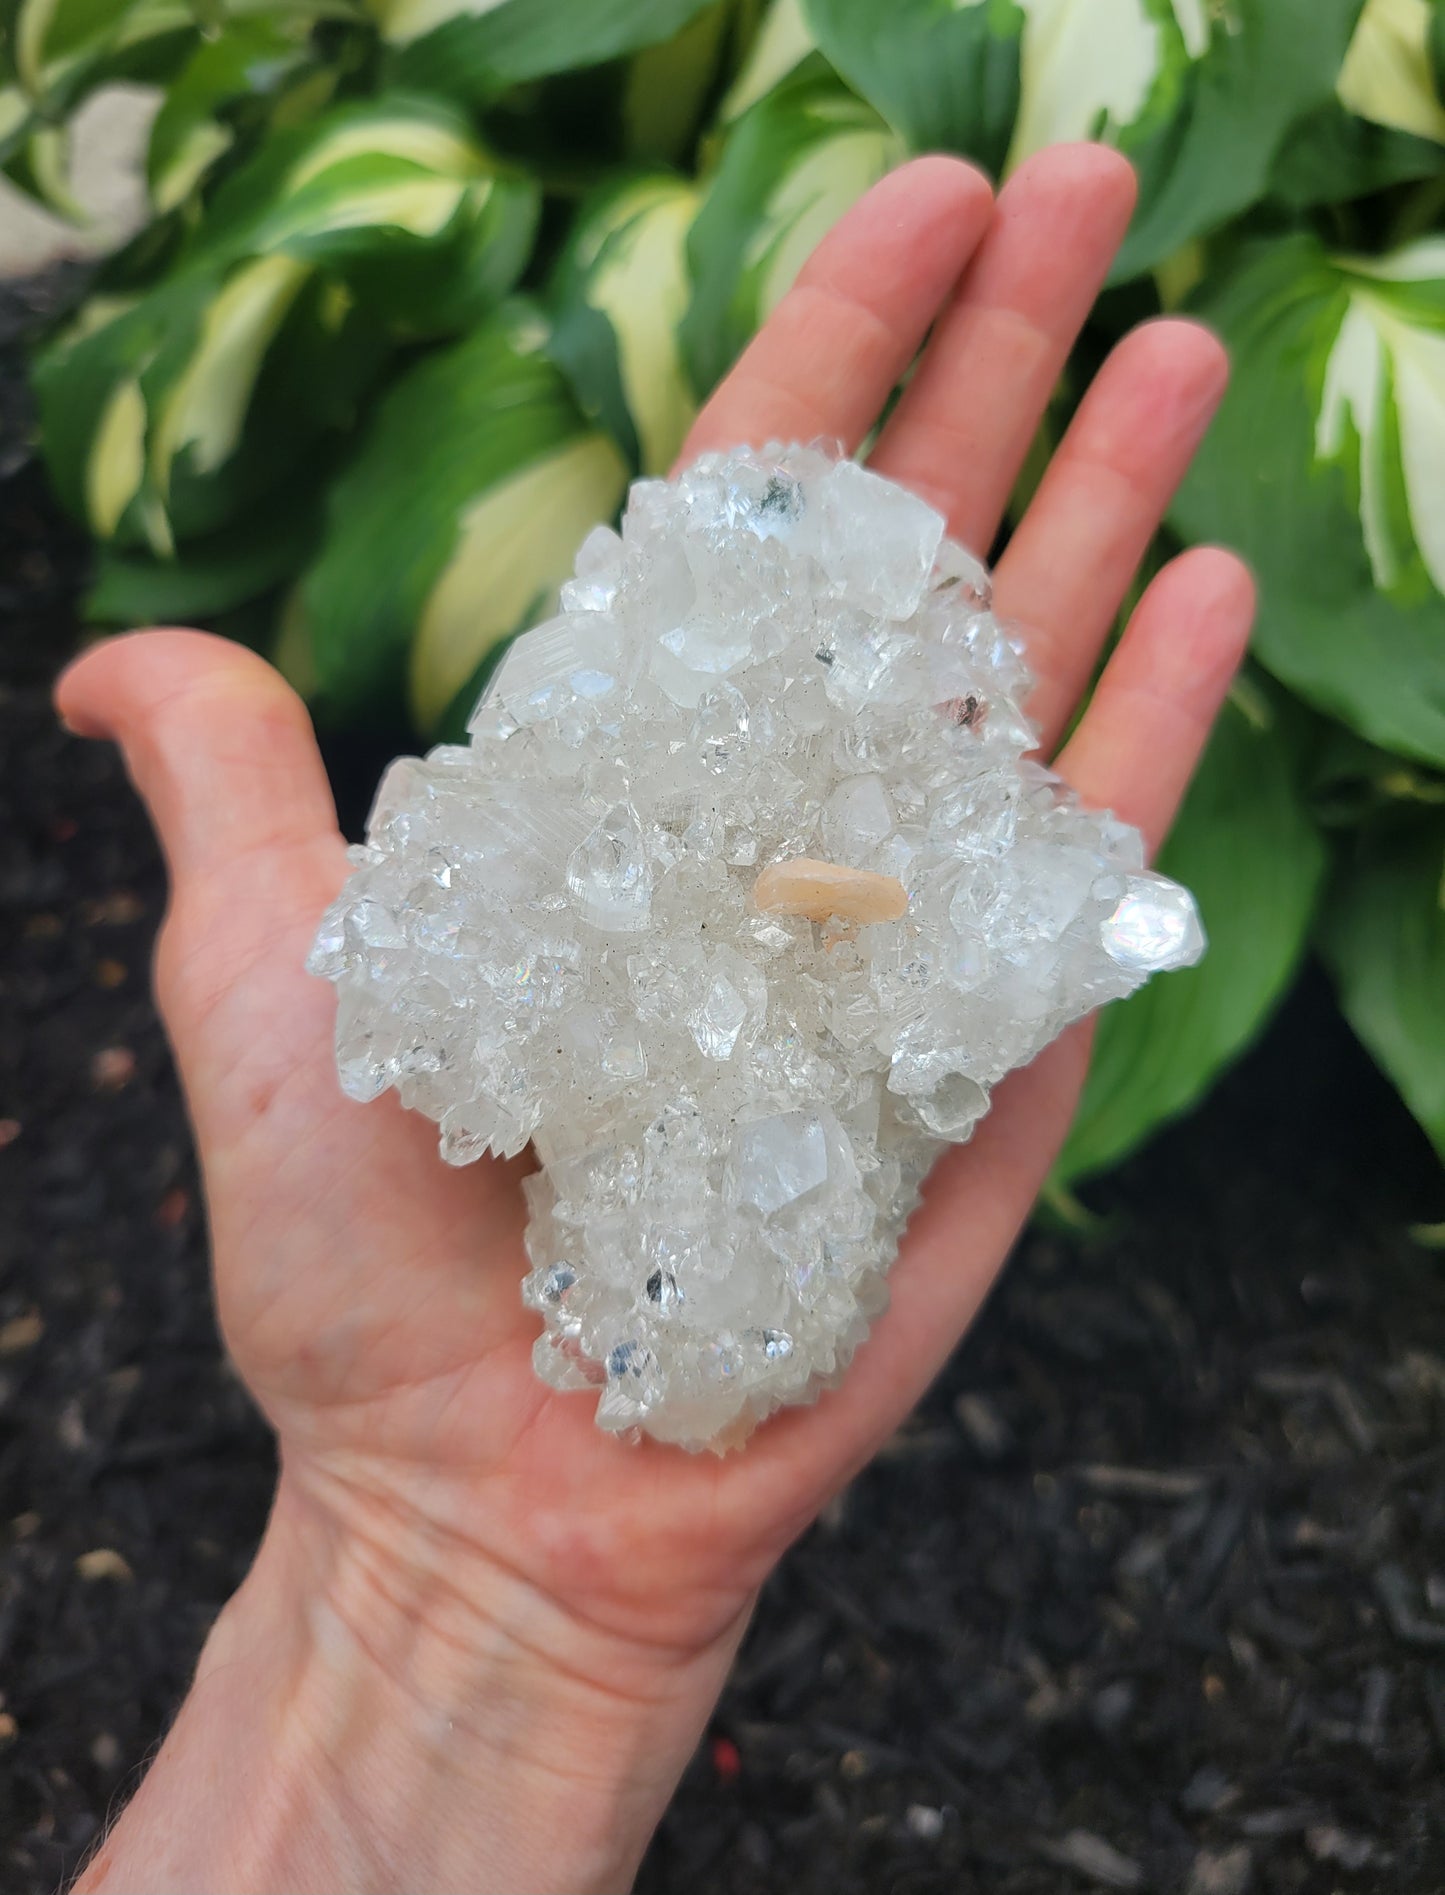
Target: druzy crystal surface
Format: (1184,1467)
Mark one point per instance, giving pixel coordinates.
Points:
(741,897)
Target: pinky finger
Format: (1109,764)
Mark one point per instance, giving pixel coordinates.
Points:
(1137,745)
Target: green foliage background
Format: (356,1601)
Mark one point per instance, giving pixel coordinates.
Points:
(427,281)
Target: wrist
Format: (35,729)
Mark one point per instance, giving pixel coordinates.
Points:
(369,1719)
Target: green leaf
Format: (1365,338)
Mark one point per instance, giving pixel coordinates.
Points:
(621,290)
(1351,782)
(1388,76)
(790,168)
(1325,469)
(476,49)
(1245,844)
(1332,156)
(941,73)
(1266,65)
(666,87)
(210,576)
(1384,941)
(462,508)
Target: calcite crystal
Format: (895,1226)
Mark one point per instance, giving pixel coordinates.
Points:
(740,899)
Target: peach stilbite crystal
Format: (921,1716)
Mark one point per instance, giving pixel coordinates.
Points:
(823,891)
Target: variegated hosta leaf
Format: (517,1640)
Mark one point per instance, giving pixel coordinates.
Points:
(646,107)
(1255,861)
(515,545)
(791,166)
(1110,69)
(383,182)
(622,289)
(1383,407)
(56,47)
(1389,76)
(115,468)
(385,213)
(666,89)
(232,80)
(202,412)
(163,418)
(1327,468)
(52,53)
(459,515)
(1200,93)
(783,41)
(475,49)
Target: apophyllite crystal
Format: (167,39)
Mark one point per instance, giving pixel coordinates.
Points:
(741,897)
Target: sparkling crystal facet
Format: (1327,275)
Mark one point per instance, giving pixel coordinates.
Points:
(742,897)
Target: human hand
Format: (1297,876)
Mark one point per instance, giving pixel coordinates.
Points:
(482,1637)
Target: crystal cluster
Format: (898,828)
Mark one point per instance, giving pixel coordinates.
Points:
(741,897)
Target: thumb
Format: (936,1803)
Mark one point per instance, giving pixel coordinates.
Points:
(217,743)
(222,752)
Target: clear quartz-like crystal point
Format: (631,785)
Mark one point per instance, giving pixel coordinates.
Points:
(741,898)
(608,875)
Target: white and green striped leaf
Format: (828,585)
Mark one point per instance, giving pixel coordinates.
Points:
(116,465)
(384,216)
(231,82)
(622,290)
(397,196)
(204,409)
(54,52)
(1327,469)
(515,545)
(784,39)
(1389,76)
(458,516)
(169,414)
(477,49)
(790,168)
(1201,95)
(55,47)
(1112,70)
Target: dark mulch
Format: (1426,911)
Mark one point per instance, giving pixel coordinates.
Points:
(1151,1595)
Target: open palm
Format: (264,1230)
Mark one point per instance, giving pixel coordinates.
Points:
(370,1294)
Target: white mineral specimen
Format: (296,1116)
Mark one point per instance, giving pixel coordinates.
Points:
(557,933)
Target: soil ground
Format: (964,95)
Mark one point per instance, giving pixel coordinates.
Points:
(1151,1595)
